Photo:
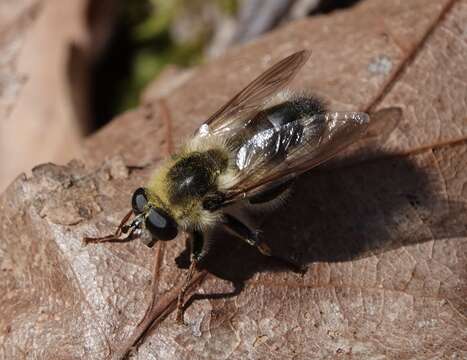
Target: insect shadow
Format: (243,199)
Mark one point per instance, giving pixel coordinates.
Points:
(341,214)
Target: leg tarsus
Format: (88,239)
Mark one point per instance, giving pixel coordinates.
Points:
(235,226)
(264,249)
(108,238)
(198,248)
(251,237)
(293,265)
(115,237)
(198,251)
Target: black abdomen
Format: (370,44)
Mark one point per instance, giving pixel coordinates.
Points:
(286,112)
(274,131)
(195,175)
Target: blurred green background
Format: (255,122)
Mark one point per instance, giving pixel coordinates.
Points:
(147,35)
(150,34)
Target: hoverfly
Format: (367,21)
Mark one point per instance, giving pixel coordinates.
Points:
(247,151)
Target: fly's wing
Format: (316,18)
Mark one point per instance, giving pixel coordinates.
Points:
(282,152)
(242,107)
(382,125)
(383,122)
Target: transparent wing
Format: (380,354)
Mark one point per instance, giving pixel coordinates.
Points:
(382,125)
(247,102)
(383,122)
(280,152)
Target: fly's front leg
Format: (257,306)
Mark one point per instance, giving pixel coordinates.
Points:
(197,252)
(239,229)
(198,248)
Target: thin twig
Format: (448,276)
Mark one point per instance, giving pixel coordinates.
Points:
(166,118)
(161,309)
(156,273)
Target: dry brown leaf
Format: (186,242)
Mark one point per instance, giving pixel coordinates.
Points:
(385,239)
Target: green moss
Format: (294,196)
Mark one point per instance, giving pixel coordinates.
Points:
(141,48)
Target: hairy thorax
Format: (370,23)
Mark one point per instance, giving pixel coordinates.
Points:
(181,185)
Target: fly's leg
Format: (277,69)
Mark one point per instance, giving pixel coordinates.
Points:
(235,226)
(271,193)
(198,250)
(122,228)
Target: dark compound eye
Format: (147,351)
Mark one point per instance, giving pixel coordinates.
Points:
(161,225)
(139,201)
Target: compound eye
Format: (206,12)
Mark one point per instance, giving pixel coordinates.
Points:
(161,225)
(139,201)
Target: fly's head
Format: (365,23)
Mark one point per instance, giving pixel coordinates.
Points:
(151,222)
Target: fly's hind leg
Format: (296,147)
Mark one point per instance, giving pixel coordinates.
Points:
(235,226)
(272,193)
(270,197)
(198,250)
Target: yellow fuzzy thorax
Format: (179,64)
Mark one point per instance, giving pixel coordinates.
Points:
(158,188)
(190,214)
